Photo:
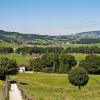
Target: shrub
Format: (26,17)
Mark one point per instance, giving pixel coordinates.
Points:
(78,76)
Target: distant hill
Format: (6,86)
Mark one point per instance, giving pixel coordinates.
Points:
(15,37)
(90,37)
(21,38)
(89,34)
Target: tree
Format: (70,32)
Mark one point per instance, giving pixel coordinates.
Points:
(91,64)
(66,62)
(35,64)
(78,76)
(50,62)
(7,67)
(83,49)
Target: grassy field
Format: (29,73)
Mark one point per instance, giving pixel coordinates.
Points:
(5,44)
(8,45)
(19,58)
(81,56)
(44,86)
(1,84)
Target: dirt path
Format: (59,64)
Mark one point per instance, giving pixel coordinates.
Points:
(14,93)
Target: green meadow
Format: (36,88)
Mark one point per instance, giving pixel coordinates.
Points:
(44,86)
(19,58)
(4,44)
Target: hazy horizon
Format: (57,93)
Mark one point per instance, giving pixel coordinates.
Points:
(50,17)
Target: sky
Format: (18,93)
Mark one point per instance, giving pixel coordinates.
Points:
(50,17)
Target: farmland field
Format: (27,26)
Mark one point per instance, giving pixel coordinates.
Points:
(44,86)
(19,58)
(80,56)
(4,44)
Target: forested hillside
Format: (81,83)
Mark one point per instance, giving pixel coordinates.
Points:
(80,38)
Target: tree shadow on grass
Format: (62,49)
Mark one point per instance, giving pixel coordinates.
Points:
(23,83)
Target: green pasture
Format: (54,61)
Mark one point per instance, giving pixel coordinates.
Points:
(19,58)
(44,86)
(79,56)
(13,45)
(8,44)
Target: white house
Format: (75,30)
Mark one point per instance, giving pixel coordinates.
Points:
(22,69)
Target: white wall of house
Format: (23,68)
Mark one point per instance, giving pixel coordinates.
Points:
(22,69)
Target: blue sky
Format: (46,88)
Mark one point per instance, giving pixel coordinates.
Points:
(51,17)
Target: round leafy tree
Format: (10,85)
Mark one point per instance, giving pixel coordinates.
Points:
(78,76)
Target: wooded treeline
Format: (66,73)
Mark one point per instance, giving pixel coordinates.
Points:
(31,50)
(62,63)
(81,49)
(53,62)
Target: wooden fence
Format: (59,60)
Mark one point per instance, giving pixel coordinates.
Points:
(5,90)
(24,94)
